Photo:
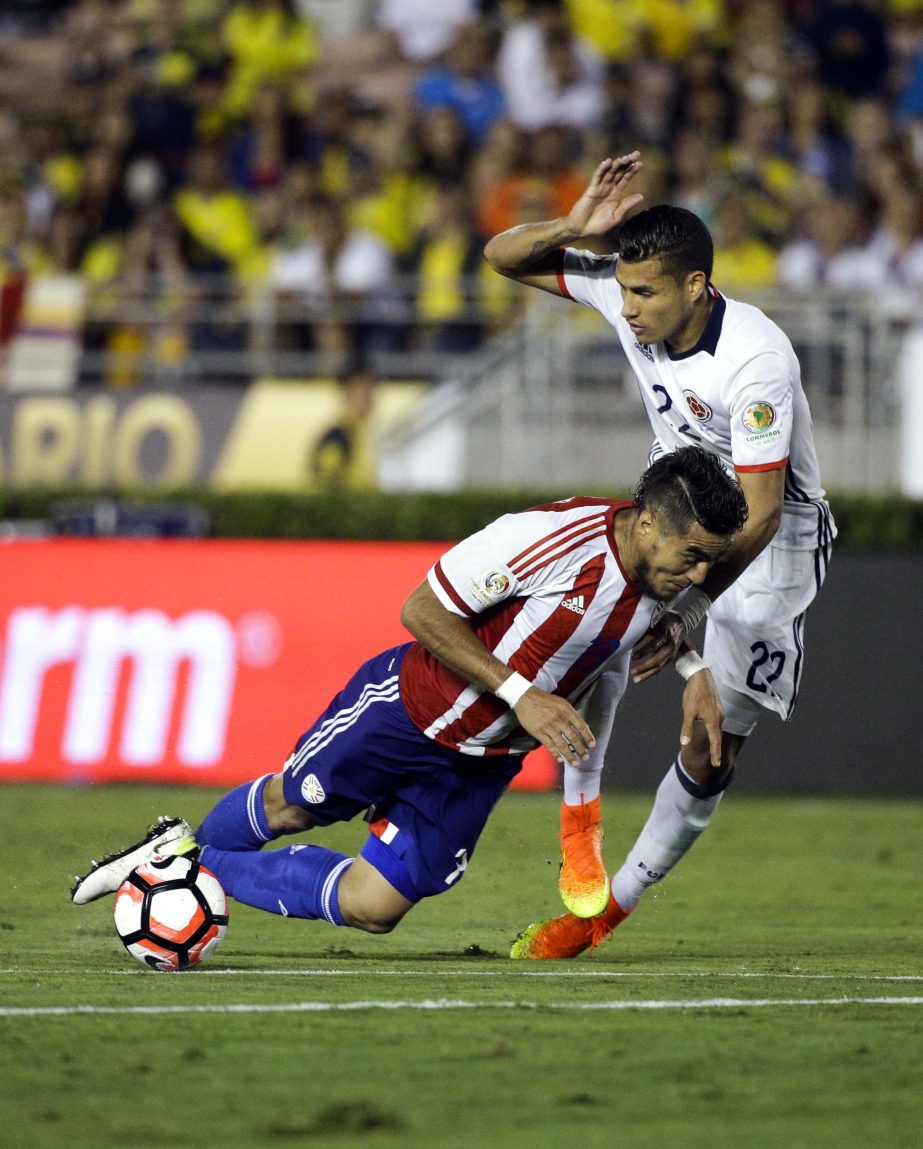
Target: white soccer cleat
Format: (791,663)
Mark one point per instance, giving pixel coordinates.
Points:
(106,876)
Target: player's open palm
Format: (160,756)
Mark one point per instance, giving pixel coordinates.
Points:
(556,724)
(604,204)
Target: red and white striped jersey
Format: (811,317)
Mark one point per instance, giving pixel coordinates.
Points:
(547,594)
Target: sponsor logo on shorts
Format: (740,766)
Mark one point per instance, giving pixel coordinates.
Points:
(311,790)
(492,587)
(701,411)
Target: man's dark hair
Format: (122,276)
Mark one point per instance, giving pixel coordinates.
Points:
(675,236)
(691,486)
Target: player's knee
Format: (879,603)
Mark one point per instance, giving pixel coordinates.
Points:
(696,759)
(282,816)
(375,922)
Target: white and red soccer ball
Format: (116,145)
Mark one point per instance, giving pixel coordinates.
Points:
(171,913)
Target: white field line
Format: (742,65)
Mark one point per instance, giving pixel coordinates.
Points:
(446,1004)
(516,971)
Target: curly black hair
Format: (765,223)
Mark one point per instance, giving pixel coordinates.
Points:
(689,486)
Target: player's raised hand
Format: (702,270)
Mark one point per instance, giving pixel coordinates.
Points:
(702,704)
(604,204)
(556,724)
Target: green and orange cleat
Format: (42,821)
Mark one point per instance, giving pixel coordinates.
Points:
(567,936)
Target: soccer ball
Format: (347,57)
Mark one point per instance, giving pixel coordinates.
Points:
(171,913)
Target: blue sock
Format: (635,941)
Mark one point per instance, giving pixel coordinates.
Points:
(297,881)
(238,820)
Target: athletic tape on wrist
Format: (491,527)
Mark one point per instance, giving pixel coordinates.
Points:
(513,689)
(692,608)
(689,663)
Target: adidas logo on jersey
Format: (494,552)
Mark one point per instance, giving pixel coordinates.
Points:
(575,604)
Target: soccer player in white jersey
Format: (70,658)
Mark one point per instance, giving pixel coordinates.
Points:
(524,630)
(720,374)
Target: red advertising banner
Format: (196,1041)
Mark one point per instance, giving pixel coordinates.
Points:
(190,662)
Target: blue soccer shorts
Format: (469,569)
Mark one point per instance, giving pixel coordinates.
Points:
(429,804)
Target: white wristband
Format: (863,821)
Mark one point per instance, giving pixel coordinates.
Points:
(513,689)
(691,608)
(690,663)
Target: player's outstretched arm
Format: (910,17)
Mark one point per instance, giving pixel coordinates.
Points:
(448,637)
(526,253)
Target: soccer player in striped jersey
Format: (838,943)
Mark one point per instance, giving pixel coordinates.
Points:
(717,373)
(523,635)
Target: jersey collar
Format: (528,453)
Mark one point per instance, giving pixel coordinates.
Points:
(708,340)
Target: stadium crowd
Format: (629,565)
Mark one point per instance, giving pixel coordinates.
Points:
(168,142)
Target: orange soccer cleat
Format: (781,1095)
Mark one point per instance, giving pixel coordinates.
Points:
(583,881)
(567,936)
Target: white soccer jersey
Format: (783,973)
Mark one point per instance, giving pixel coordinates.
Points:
(737,392)
(546,593)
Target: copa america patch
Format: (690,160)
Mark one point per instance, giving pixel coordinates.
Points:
(759,417)
(312,791)
(493,586)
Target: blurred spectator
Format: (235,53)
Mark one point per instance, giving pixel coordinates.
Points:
(817,147)
(699,182)
(743,261)
(14,261)
(145,265)
(266,40)
(218,234)
(447,264)
(896,246)
(760,171)
(465,82)
(609,27)
(674,27)
(652,97)
(342,458)
(548,76)
(163,116)
(422,30)
(765,51)
(326,263)
(270,139)
(443,149)
(548,171)
(850,40)
(831,252)
(102,206)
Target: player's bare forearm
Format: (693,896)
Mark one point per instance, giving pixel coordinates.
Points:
(529,248)
(448,637)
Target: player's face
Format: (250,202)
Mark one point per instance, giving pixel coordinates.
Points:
(666,564)
(658,308)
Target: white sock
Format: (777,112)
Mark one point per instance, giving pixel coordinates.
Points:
(582,783)
(680,814)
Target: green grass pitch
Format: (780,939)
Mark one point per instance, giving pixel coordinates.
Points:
(768,995)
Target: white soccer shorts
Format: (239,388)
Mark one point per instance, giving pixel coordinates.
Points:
(754,637)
